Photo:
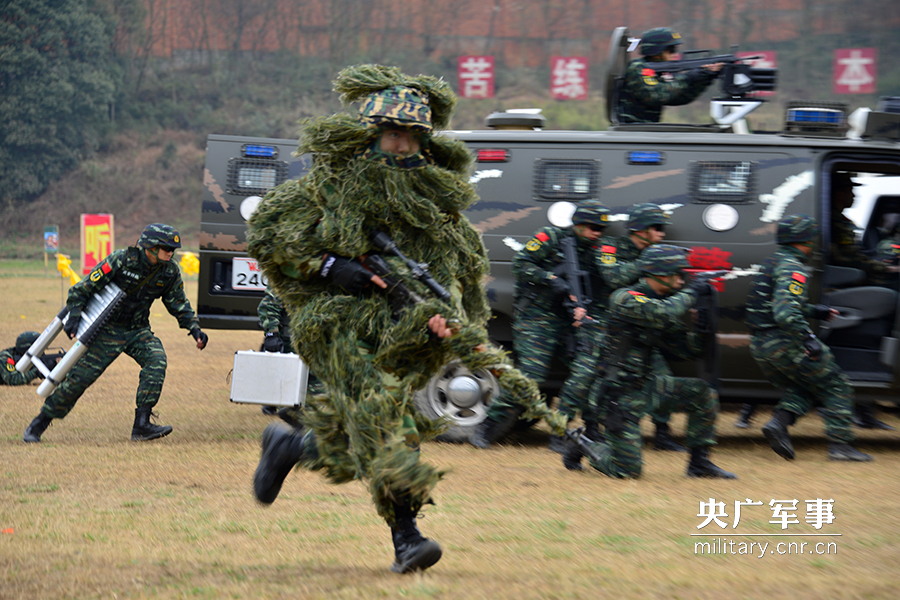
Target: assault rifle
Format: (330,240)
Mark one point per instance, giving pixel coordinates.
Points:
(584,444)
(575,277)
(707,324)
(419,271)
(738,78)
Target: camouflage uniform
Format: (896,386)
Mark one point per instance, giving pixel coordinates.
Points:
(638,322)
(542,324)
(846,252)
(647,88)
(777,316)
(128,329)
(618,267)
(274,319)
(887,253)
(644,91)
(10,356)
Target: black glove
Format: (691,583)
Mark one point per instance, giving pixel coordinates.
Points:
(822,312)
(198,335)
(703,320)
(812,346)
(71,325)
(348,274)
(273,343)
(560,287)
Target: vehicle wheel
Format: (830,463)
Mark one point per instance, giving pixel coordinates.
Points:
(461,396)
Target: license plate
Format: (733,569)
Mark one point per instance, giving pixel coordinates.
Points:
(247,275)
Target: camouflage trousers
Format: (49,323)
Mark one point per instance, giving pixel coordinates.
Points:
(538,337)
(620,456)
(112,340)
(365,428)
(581,389)
(806,382)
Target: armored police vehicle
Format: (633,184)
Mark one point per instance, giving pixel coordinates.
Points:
(725,191)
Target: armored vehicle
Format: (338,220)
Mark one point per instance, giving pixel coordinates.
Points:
(725,192)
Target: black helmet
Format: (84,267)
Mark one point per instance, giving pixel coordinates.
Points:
(796,228)
(25,340)
(591,211)
(158,234)
(654,41)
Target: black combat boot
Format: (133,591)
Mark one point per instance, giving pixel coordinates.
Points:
(36,428)
(663,439)
(776,433)
(745,416)
(412,551)
(282,448)
(701,466)
(864,418)
(143,430)
(838,451)
(494,429)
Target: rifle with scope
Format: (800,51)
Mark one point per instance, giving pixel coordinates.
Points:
(737,77)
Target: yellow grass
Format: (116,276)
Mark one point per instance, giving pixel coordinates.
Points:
(89,514)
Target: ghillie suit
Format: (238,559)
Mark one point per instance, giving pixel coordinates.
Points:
(370,356)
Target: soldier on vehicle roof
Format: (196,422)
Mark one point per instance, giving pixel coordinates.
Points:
(144,272)
(648,87)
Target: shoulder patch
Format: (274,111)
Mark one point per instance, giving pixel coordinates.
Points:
(799,277)
(105,268)
(608,254)
(10,364)
(537,241)
(796,285)
(639,296)
(96,274)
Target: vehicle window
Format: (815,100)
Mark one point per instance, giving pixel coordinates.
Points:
(254,176)
(731,182)
(572,180)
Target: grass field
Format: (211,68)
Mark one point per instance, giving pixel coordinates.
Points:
(89,514)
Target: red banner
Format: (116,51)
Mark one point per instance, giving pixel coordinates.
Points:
(97,240)
(569,77)
(854,71)
(476,76)
(766,60)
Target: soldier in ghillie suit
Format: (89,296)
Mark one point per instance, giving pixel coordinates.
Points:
(10,356)
(788,352)
(144,272)
(648,87)
(547,322)
(641,319)
(381,170)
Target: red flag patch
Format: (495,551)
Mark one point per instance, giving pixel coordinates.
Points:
(542,236)
(608,249)
(799,277)
(105,268)
(648,72)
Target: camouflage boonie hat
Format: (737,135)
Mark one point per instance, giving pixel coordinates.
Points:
(25,340)
(796,228)
(159,234)
(398,106)
(591,211)
(663,260)
(654,41)
(642,216)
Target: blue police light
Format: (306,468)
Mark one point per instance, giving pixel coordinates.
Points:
(644,157)
(810,115)
(260,151)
